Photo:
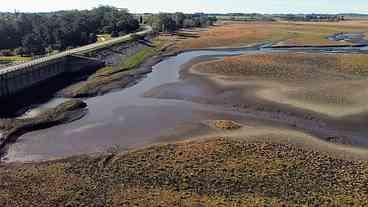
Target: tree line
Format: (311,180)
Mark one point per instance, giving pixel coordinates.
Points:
(166,22)
(40,33)
(313,17)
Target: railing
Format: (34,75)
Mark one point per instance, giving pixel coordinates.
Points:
(79,50)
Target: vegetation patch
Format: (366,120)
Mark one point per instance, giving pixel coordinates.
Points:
(213,172)
(103,37)
(138,58)
(290,66)
(14,58)
(226,125)
(99,85)
(116,76)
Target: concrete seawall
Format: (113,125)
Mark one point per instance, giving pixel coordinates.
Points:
(18,80)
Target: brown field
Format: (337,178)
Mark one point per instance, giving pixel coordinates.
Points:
(290,66)
(210,172)
(300,33)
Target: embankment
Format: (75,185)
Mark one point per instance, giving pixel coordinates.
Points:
(125,66)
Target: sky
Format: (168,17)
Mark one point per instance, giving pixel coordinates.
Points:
(189,6)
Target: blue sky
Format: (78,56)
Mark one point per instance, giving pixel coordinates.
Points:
(220,6)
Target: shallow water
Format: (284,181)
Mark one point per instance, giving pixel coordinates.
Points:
(123,118)
(126,118)
(358,37)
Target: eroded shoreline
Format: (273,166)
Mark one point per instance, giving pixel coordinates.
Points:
(12,129)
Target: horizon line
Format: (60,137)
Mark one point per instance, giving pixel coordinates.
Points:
(193,12)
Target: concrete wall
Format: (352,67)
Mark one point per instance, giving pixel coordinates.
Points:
(16,81)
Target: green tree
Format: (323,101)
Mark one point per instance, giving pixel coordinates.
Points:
(32,44)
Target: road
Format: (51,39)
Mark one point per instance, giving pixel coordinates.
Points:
(83,49)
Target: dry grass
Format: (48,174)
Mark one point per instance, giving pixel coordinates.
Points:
(212,172)
(226,125)
(238,34)
(353,64)
(290,66)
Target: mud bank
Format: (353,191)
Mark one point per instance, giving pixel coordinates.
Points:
(12,129)
(125,66)
(115,81)
(243,95)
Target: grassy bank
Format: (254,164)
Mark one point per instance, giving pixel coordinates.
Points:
(117,76)
(214,172)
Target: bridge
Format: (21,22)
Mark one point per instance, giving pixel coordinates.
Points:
(18,77)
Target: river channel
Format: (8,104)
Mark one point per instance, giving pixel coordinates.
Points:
(127,118)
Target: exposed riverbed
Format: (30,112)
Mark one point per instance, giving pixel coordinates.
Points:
(129,119)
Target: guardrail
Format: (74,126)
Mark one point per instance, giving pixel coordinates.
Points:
(79,50)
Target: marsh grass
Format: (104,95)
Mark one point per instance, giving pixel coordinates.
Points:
(291,66)
(213,172)
(299,33)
